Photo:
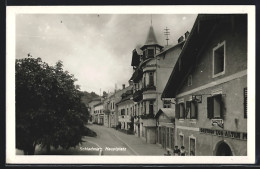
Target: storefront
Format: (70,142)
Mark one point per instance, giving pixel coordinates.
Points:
(165,128)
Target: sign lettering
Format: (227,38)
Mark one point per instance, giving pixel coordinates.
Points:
(225,133)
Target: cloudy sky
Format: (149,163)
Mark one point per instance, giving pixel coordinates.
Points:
(96,48)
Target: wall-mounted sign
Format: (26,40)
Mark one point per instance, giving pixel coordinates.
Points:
(225,133)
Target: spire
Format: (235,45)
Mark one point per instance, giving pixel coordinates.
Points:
(151,39)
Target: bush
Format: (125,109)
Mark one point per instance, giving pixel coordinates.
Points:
(88,132)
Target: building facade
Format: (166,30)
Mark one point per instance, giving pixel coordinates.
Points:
(125,110)
(209,87)
(99,113)
(91,105)
(152,66)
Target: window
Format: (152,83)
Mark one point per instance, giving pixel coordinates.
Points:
(215,107)
(190,80)
(192,147)
(181,140)
(219,59)
(151,107)
(151,81)
(144,83)
(167,137)
(172,137)
(180,111)
(192,107)
(166,104)
(150,53)
(127,111)
(122,111)
(245,102)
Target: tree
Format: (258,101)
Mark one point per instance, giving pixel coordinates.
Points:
(49,111)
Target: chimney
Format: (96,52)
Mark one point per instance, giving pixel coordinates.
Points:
(123,86)
(180,39)
(187,34)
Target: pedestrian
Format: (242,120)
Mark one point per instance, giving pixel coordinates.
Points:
(168,153)
(176,151)
(183,151)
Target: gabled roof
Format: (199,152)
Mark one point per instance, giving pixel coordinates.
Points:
(202,30)
(170,113)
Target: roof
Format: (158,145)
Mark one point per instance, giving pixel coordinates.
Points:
(167,111)
(151,39)
(202,30)
(95,99)
(167,48)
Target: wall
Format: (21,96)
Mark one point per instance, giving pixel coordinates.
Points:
(231,84)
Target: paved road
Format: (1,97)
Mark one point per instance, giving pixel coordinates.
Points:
(111,141)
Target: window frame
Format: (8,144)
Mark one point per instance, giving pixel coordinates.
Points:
(211,115)
(194,138)
(213,59)
(181,135)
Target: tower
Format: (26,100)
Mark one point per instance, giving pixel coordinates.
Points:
(151,46)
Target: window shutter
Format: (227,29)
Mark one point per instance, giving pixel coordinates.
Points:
(219,99)
(245,102)
(210,107)
(188,109)
(177,111)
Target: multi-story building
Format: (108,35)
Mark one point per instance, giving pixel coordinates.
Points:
(91,108)
(209,87)
(165,116)
(152,68)
(125,109)
(99,113)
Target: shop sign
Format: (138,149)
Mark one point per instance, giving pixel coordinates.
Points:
(225,133)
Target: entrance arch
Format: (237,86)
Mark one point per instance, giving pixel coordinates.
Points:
(223,149)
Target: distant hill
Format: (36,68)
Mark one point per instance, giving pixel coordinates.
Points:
(88,96)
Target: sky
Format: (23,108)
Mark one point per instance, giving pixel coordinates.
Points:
(95,48)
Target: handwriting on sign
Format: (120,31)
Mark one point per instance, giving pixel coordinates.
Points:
(225,133)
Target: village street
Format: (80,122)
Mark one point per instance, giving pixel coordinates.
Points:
(112,142)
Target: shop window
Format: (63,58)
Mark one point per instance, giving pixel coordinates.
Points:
(192,147)
(180,111)
(219,59)
(245,102)
(167,137)
(189,80)
(215,107)
(151,80)
(172,137)
(166,104)
(192,108)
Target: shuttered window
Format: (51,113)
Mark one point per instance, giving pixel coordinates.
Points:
(245,102)
(191,109)
(215,107)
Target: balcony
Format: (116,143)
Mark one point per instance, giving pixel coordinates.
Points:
(138,96)
(137,75)
(149,87)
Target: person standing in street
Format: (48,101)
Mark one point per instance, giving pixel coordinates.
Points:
(183,151)
(176,151)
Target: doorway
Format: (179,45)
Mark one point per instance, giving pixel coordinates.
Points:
(223,149)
